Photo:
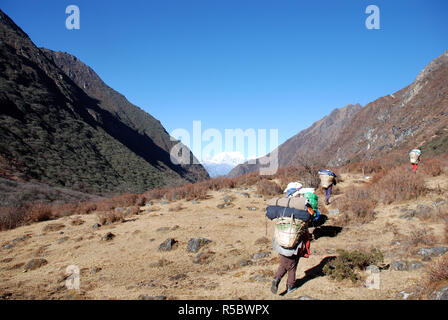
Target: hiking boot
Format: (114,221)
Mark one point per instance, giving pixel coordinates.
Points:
(274,286)
(291,289)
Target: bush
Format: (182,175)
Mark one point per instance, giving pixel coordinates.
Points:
(346,265)
(435,276)
(397,185)
(356,205)
(268,188)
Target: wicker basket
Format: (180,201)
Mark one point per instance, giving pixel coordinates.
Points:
(326,180)
(288,231)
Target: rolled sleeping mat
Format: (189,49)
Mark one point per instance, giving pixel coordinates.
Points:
(277,212)
(296,203)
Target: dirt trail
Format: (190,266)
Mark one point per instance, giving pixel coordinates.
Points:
(130,265)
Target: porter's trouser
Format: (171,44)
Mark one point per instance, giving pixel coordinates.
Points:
(288,265)
(328,193)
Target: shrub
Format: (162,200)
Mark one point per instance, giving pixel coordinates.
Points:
(110,217)
(268,188)
(346,265)
(356,206)
(436,274)
(431,167)
(397,185)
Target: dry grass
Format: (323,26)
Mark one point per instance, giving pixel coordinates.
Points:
(435,277)
(357,205)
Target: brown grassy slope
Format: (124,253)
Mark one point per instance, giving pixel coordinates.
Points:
(131,264)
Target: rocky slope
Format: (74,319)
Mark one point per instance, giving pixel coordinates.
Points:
(58,133)
(415,116)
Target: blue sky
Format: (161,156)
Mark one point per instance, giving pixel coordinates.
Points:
(243,63)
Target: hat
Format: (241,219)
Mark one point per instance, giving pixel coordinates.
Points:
(293,185)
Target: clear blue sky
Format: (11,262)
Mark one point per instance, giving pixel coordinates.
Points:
(243,63)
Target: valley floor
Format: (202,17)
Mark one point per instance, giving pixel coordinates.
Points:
(130,266)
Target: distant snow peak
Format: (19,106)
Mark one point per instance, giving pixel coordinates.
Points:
(222,163)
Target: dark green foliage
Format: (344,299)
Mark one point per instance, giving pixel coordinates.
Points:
(346,265)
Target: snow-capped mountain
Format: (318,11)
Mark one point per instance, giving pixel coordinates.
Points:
(222,163)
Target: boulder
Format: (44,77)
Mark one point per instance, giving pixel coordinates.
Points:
(108,236)
(261,255)
(35,264)
(195,244)
(399,265)
(441,294)
(167,245)
(432,252)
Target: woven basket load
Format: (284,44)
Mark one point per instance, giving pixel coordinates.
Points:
(326,180)
(288,231)
(414,156)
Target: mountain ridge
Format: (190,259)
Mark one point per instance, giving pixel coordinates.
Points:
(56,133)
(411,117)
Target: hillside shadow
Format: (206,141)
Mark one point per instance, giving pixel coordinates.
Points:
(312,273)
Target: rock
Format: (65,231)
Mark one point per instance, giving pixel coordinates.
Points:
(146,297)
(438,203)
(306,298)
(8,246)
(167,245)
(432,252)
(262,241)
(220,206)
(441,294)
(399,265)
(260,278)
(53,227)
(409,215)
(22,238)
(119,210)
(108,236)
(258,196)
(35,264)
(175,228)
(403,295)
(334,212)
(62,240)
(95,270)
(179,276)
(163,202)
(245,194)
(244,263)
(194,202)
(422,210)
(414,265)
(163,229)
(195,244)
(261,255)
(252,208)
(96,226)
(204,257)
